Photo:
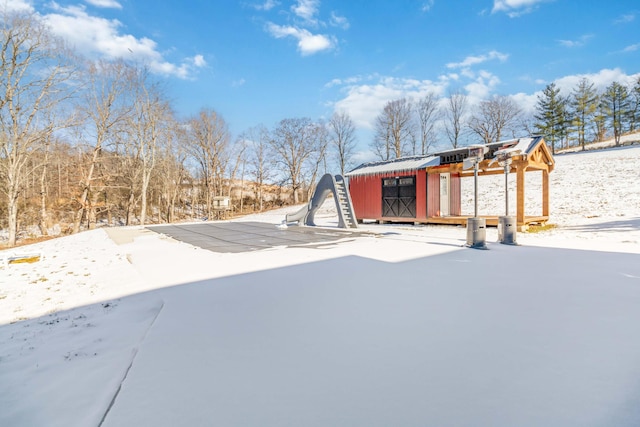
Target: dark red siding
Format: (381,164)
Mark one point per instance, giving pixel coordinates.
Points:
(366,194)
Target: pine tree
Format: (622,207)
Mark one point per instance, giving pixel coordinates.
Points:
(551,115)
(634,110)
(600,118)
(583,103)
(616,98)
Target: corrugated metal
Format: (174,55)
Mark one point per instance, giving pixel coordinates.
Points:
(407,164)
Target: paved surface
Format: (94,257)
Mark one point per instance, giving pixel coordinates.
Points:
(234,237)
(123,235)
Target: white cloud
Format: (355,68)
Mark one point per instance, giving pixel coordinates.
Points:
(626,18)
(364,101)
(199,61)
(306,9)
(97,37)
(514,8)
(427,5)
(567,84)
(267,5)
(632,48)
(481,87)
(600,80)
(304,27)
(344,82)
(474,60)
(112,4)
(526,101)
(339,21)
(576,43)
(17,6)
(238,83)
(308,43)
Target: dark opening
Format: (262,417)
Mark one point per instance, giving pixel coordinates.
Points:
(399,197)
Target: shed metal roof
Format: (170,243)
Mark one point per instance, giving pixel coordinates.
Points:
(403,164)
(406,164)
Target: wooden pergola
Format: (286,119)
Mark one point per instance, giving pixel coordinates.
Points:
(529,154)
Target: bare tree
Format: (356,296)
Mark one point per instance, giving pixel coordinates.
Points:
(209,136)
(293,143)
(238,151)
(527,122)
(342,137)
(106,106)
(260,159)
(493,117)
(33,69)
(318,158)
(394,130)
(171,170)
(147,127)
(454,116)
(428,114)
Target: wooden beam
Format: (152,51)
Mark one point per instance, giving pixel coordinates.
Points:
(520,196)
(537,166)
(451,168)
(469,173)
(545,193)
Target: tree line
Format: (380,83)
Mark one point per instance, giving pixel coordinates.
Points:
(88,142)
(413,127)
(84,142)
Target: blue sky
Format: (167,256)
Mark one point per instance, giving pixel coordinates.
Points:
(260,61)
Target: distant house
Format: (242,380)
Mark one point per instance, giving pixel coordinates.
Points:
(426,189)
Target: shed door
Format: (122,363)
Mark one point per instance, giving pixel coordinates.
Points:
(445,186)
(399,197)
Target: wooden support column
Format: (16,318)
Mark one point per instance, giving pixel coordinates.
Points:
(520,196)
(545,193)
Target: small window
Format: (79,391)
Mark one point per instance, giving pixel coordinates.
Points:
(389,182)
(406,181)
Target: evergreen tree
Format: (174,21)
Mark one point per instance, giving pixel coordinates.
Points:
(616,98)
(600,118)
(634,110)
(551,115)
(583,103)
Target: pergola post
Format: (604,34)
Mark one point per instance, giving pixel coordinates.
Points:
(545,193)
(520,196)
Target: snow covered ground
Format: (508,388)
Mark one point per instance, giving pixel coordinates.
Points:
(400,326)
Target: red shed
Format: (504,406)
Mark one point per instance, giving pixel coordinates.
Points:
(401,190)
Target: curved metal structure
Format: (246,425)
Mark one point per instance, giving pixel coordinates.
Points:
(328,184)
